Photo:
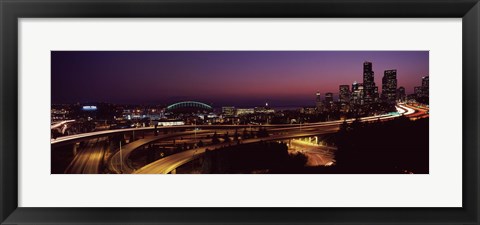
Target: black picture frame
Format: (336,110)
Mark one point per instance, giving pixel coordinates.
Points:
(12,10)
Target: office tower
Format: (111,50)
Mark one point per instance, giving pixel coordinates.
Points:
(389,86)
(243,111)
(228,110)
(357,93)
(344,96)
(328,99)
(376,97)
(318,102)
(425,91)
(401,94)
(422,92)
(418,92)
(368,83)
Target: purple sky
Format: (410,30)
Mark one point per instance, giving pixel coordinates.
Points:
(240,78)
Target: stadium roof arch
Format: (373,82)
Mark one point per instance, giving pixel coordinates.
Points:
(188,106)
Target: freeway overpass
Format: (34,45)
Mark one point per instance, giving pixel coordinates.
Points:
(402,109)
(60,123)
(118,162)
(170,163)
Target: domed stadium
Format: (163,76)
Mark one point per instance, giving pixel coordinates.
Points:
(189,107)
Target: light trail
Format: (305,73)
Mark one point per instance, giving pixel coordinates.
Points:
(59,124)
(117,159)
(77,137)
(177,160)
(169,163)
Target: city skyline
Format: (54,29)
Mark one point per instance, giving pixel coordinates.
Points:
(240,112)
(241,78)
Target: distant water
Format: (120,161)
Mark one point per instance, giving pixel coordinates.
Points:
(278,108)
(283,108)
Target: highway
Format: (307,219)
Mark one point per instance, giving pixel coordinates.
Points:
(118,163)
(85,136)
(88,159)
(418,112)
(317,155)
(170,163)
(60,123)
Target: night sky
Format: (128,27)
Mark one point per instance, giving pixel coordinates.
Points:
(220,78)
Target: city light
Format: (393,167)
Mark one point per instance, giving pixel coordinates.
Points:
(247,123)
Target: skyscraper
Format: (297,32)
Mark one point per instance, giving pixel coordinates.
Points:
(328,100)
(344,91)
(368,83)
(417,91)
(401,94)
(425,83)
(375,94)
(422,92)
(357,94)
(389,86)
(318,102)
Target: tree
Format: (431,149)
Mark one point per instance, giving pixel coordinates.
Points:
(226,138)
(356,123)
(235,136)
(156,131)
(245,134)
(344,126)
(262,132)
(55,134)
(179,147)
(200,143)
(131,139)
(215,139)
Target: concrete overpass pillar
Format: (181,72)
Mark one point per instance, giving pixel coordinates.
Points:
(75,148)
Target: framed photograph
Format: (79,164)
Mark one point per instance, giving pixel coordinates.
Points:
(252,112)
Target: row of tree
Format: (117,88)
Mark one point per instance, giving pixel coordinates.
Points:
(262,157)
(397,146)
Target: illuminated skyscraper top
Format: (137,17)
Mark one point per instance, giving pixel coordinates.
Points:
(318,101)
(318,97)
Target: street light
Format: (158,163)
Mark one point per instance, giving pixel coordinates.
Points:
(121,159)
(195,144)
(195,130)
